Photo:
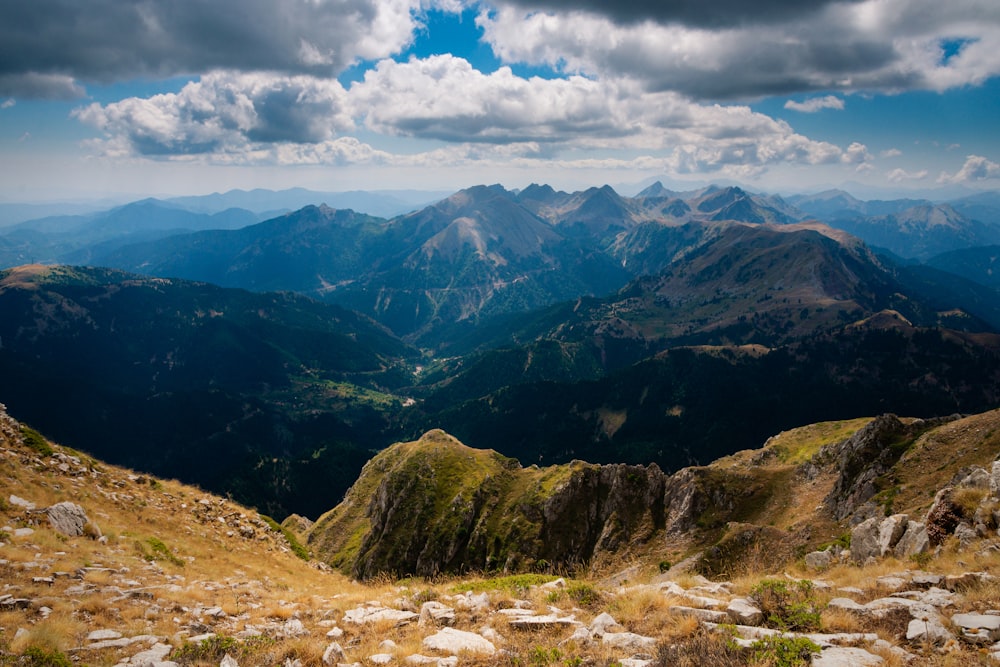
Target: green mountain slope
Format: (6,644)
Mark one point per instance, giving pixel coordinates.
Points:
(260,395)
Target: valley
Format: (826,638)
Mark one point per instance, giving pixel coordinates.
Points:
(272,360)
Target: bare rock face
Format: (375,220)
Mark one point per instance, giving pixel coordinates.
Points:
(876,538)
(67,518)
(861,459)
(601,509)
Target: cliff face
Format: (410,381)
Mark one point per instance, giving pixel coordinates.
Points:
(435,505)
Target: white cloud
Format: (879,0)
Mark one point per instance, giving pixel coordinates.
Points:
(891,152)
(899,175)
(976,168)
(8,103)
(222,113)
(233,118)
(816,104)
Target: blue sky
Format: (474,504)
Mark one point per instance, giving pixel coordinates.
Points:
(110,98)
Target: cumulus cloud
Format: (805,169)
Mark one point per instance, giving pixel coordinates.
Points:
(233,117)
(976,168)
(815,104)
(46,46)
(874,45)
(891,152)
(222,113)
(8,103)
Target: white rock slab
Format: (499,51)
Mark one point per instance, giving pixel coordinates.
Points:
(843,656)
(450,640)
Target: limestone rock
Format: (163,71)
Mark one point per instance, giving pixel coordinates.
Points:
(913,541)
(927,629)
(890,530)
(995,480)
(67,518)
(628,641)
(375,613)
(865,540)
(450,640)
(333,654)
(21,502)
(604,622)
(228,661)
(744,613)
(978,628)
(844,656)
(819,560)
(432,612)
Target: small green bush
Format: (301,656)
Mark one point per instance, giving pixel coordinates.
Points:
(664,566)
(293,542)
(35,656)
(787,605)
(780,651)
(542,656)
(36,441)
(584,595)
(154,549)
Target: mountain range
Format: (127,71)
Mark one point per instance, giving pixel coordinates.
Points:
(669,327)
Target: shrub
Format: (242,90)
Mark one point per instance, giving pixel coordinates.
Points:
(787,605)
(780,651)
(293,542)
(664,566)
(154,549)
(36,441)
(584,595)
(35,656)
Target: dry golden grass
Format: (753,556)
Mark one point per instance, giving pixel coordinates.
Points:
(258,582)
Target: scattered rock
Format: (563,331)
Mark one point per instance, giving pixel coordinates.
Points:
(844,656)
(450,640)
(67,518)
(628,641)
(21,502)
(436,613)
(978,628)
(744,613)
(819,560)
(375,613)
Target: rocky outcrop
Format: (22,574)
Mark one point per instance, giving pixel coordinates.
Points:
(863,458)
(876,538)
(67,518)
(435,506)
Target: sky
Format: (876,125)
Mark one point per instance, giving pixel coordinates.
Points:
(109,98)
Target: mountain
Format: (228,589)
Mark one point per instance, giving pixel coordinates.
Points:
(382,203)
(258,395)
(474,254)
(733,283)
(832,205)
(309,251)
(921,231)
(436,506)
(984,206)
(977,264)
(83,239)
(690,405)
